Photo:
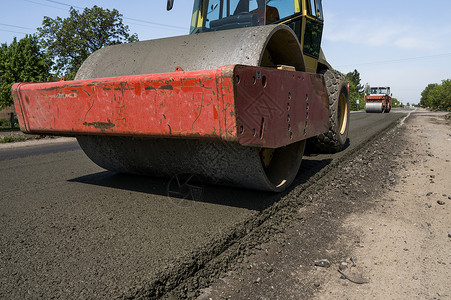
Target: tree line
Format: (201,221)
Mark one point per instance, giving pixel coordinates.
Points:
(437,95)
(59,47)
(357,91)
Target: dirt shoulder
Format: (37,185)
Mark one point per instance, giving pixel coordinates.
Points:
(383,221)
(405,244)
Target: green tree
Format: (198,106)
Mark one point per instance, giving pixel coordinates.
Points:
(71,40)
(354,77)
(356,90)
(437,95)
(446,96)
(395,102)
(426,97)
(21,61)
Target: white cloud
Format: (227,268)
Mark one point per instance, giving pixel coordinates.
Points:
(409,43)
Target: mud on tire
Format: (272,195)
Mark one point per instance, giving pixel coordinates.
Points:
(335,139)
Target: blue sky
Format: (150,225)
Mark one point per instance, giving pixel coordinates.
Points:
(399,43)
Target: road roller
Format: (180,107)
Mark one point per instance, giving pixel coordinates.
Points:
(379,100)
(233,103)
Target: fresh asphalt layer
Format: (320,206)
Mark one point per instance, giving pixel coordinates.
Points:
(70,229)
(24,149)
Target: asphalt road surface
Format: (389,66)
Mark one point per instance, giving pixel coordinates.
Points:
(70,229)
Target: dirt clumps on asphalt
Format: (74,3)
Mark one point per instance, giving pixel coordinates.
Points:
(379,229)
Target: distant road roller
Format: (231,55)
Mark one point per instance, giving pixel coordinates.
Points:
(379,100)
(234,102)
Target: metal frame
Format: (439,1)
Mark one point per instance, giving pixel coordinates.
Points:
(253,106)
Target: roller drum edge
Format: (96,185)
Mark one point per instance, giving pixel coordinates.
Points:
(193,52)
(212,161)
(374,107)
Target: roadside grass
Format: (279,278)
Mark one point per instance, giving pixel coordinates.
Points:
(19,138)
(4,129)
(15,135)
(4,123)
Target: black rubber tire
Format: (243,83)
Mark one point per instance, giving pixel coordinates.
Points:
(336,138)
